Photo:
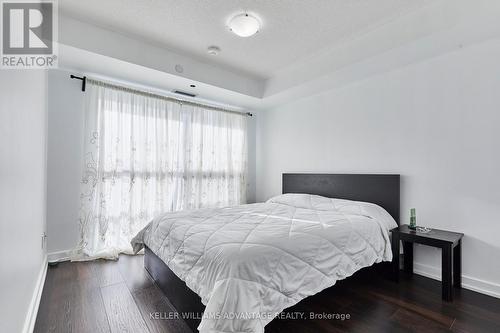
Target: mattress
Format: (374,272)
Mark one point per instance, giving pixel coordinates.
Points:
(250,262)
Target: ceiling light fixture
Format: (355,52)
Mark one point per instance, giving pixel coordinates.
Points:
(244,25)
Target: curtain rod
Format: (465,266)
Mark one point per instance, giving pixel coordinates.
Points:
(85,79)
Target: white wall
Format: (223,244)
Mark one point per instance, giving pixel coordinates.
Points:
(23,122)
(64,154)
(437,123)
(64,167)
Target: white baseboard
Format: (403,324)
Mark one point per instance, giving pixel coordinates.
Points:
(29,322)
(59,256)
(468,282)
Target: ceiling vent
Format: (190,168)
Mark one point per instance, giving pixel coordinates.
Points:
(183,93)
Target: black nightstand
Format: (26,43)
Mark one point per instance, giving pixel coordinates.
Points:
(451,255)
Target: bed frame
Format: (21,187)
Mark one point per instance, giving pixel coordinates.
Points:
(382,190)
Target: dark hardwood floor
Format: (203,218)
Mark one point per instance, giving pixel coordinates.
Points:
(108,296)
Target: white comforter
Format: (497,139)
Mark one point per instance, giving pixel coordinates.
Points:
(250,262)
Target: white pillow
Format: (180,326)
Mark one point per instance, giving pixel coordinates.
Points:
(317,202)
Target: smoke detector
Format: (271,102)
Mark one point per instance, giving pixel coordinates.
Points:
(213,50)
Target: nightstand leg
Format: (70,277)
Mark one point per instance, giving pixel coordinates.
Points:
(446,272)
(408,257)
(457,265)
(395,256)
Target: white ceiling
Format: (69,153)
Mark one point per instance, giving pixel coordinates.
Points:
(293,30)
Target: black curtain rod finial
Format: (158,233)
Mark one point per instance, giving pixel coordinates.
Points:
(83,78)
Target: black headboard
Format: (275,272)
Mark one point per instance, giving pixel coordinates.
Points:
(382,190)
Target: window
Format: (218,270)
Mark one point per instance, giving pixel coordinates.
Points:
(147,155)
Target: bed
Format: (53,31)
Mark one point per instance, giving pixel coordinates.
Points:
(241,266)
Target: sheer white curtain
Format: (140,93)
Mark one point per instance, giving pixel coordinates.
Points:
(146,155)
